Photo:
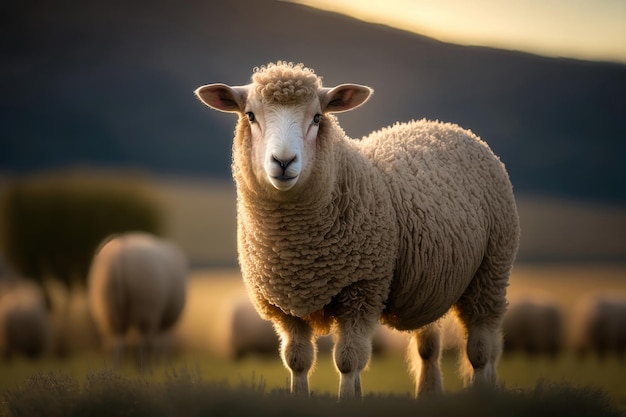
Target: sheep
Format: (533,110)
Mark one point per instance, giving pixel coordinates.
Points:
(249,333)
(534,326)
(136,281)
(341,234)
(25,326)
(600,321)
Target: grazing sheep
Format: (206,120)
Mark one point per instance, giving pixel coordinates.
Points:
(600,321)
(398,227)
(25,326)
(136,281)
(249,333)
(534,326)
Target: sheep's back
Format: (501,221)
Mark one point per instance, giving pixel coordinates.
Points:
(452,197)
(136,280)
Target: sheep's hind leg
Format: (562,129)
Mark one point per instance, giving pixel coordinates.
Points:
(425,360)
(481,309)
(297,351)
(484,346)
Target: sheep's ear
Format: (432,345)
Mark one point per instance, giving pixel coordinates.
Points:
(344,97)
(223,97)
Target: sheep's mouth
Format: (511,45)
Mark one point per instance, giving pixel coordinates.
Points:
(283,182)
(284,178)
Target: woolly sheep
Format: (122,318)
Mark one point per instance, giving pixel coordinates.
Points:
(535,326)
(136,281)
(25,326)
(249,333)
(332,232)
(600,321)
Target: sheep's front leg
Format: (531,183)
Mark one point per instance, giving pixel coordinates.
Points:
(352,352)
(297,351)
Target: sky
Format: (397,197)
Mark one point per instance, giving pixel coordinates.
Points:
(583,29)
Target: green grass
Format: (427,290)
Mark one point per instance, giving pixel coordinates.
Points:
(187,393)
(211,383)
(203,330)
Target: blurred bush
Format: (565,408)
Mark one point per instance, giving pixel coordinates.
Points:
(52,226)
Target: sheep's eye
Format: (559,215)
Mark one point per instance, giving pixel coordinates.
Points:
(251,117)
(316,118)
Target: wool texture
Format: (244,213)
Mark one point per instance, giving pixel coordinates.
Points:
(402,224)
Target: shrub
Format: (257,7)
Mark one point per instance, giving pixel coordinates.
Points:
(53,226)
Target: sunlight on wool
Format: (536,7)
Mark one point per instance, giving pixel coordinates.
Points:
(583,29)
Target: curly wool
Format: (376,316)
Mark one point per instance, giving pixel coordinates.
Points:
(456,213)
(298,257)
(399,222)
(285,83)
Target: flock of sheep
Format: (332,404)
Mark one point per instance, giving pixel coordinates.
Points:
(136,284)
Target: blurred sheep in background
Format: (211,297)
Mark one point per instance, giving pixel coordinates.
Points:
(25,326)
(599,325)
(249,333)
(534,326)
(137,282)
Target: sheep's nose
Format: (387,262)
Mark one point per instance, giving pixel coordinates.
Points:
(284,162)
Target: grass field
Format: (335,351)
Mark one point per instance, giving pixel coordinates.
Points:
(201,217)
(202,347)
(201,376)
(107,393)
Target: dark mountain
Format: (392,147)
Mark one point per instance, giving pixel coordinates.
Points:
(110,84)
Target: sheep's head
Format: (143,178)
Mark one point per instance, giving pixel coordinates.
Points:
(283,108)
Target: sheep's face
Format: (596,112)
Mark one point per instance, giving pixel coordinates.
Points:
(283,140)
(283,123)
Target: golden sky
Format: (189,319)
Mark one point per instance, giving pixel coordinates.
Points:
(585,29)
